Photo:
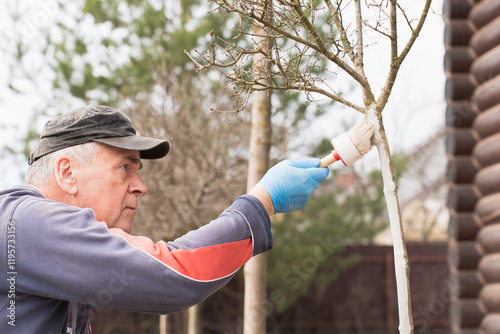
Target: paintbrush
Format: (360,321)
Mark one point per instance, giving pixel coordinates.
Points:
(350,146)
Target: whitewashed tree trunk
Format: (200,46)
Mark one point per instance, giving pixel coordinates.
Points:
(401,264)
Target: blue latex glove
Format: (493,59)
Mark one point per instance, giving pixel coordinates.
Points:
(291,183)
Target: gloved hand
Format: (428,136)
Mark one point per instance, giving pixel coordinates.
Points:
(291,183)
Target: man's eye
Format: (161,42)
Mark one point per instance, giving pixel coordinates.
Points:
(125,167)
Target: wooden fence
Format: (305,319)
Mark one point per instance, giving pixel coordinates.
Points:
(363,298)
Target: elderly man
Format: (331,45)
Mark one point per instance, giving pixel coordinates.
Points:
(65,242)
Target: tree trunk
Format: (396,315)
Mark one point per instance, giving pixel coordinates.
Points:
(194,319)
(255,271)
(401,264)
(163,324)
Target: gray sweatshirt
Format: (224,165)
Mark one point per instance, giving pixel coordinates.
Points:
(57,262)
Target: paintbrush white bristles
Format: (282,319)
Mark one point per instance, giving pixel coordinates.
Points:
(361,136)
(350,146)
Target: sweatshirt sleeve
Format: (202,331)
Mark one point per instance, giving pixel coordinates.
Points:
(64,253)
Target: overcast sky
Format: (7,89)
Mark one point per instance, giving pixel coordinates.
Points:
(415,111)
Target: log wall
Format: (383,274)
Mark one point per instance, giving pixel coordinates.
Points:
(472,67)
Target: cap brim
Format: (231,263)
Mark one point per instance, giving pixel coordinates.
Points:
(149,148)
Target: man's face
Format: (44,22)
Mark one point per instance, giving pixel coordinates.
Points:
(111,186)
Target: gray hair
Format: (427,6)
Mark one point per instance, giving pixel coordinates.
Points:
(42,170)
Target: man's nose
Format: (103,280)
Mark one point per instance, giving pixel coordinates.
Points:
(138,187)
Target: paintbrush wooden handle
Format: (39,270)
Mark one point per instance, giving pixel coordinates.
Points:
(328,160)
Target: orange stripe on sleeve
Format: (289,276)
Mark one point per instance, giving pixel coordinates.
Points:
(204,263)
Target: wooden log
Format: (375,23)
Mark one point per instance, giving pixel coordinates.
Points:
(458,60)
(466,284)
(456,9)
(487,181)
(466,313)
(490,297)
(489,238)
(488,210)
(487,151)
(462,197)
(484,12)
(457,32)
(459,141)
(489,268)
(486,39)
(460,114)
(463,226)
(490,324)
(487,123)
(459,86)
(470,283)
(487,66)
(461,169)
(487,95)
(464,255)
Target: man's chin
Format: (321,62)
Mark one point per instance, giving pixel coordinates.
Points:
(127,228)
(125,224)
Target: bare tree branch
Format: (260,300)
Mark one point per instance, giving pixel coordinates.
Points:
(358,63)
(312,42)
(396,60)
(337,19)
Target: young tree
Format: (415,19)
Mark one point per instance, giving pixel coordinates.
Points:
(258,163)
(304,31)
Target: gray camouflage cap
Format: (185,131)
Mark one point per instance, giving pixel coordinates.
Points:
(99,124)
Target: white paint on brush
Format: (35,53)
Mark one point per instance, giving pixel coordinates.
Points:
(346,149)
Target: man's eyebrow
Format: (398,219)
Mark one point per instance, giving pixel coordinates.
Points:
(134,161)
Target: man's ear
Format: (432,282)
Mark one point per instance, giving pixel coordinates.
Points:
(65,173)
